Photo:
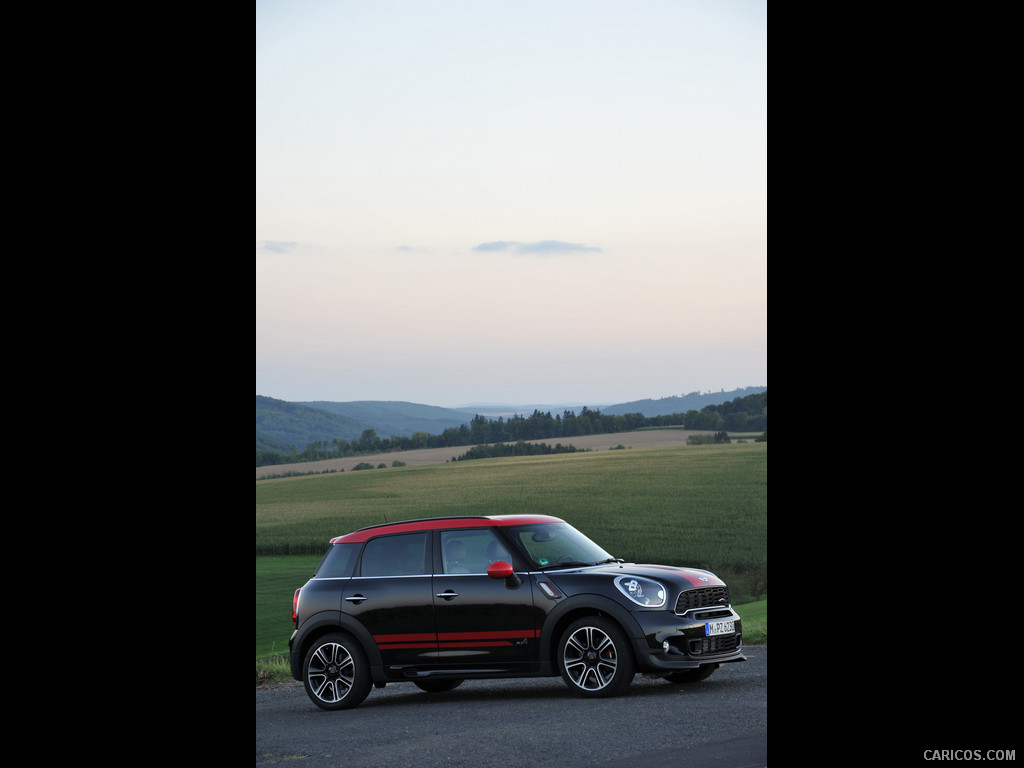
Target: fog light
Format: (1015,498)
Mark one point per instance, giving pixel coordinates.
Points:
(665,646)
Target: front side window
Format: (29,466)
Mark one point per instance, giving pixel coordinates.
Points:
(551,545)
(402,555)
(471,550)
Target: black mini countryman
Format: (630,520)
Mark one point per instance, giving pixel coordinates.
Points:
(435,602)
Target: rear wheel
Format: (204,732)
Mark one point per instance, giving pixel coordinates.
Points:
(335,672)
(595,658)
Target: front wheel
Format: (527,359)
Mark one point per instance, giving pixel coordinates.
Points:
(335,673)
(595,658)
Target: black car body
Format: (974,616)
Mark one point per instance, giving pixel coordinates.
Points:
(438,601)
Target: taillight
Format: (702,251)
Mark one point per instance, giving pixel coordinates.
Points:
(295,608)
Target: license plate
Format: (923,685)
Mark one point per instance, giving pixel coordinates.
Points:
(719,628)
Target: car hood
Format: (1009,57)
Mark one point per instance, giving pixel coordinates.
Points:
(680,578)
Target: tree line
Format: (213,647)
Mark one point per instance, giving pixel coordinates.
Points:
(743,414)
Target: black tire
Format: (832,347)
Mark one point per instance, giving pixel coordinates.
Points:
(692,675)
(335,673)
(437,686)
(595,658)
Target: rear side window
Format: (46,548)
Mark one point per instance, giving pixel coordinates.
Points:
(402,555)
(338,561)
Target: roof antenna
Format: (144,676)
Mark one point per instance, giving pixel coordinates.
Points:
(386,518)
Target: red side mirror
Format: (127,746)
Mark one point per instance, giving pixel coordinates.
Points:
(499,570)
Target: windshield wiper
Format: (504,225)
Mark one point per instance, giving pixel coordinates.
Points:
(610,560)
(567,564)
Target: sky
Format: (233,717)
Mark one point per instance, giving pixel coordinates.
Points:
(510,201)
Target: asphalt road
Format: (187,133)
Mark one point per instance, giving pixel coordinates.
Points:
(721,722)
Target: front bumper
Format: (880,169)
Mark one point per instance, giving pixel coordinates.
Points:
(672,643)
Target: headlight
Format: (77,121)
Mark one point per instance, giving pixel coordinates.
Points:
(641,591)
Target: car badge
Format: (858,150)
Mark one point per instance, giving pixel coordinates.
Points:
(703,578)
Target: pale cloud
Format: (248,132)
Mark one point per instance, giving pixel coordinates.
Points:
(276,246)
(543,247)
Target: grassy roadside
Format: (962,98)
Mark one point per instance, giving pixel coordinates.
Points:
(274,667)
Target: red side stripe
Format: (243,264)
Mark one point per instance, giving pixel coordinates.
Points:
(452,639)
(410,638)
(504,634)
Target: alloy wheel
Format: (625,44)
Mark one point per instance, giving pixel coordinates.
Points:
(590,658)
(331,672)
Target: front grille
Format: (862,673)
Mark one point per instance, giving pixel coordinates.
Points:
(707,597)
(710,646)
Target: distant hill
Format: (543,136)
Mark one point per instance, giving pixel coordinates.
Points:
(388,417)
(664,406)
(504,410)
(694,401)
(282,425)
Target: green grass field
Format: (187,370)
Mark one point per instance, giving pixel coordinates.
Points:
(701,506)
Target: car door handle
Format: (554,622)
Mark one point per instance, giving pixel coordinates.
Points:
(448,595)
(357,599)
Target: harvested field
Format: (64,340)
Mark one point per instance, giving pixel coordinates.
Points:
(648,438)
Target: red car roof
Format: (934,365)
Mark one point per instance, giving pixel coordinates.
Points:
(430,524)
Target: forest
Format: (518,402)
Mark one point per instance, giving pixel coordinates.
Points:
(743,414)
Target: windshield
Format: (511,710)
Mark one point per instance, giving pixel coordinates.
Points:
(558,545)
